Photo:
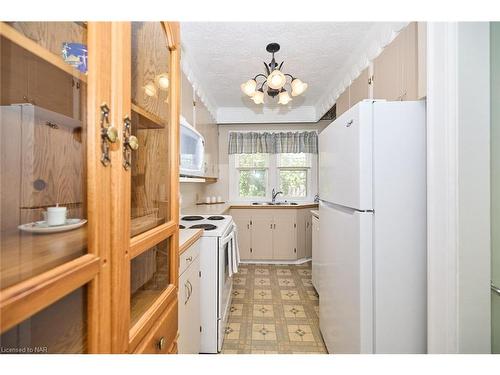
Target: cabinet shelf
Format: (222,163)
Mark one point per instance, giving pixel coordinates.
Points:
(33,47)
(147,120)
(24,255)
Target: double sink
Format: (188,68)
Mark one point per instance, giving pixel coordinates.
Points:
(274,203)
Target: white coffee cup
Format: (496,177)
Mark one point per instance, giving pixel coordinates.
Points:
(214,200)
(207,200)
(56,216)
(219,199)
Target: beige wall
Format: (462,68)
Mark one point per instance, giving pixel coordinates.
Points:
(191,193)
(221,187)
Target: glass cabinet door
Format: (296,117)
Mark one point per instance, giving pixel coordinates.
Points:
(151,225)
(43,140)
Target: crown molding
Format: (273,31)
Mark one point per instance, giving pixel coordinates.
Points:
(265,115)
(379,37)
(194,76)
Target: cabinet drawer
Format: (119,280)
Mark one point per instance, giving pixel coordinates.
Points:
(161,339)
(189,256)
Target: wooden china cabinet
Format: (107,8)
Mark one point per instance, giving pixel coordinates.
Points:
(89,122)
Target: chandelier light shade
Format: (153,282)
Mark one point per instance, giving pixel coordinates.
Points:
(249,87)
(258,96)
(284,98)
(298,87)
(275,80)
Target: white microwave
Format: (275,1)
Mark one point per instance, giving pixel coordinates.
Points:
(192,160)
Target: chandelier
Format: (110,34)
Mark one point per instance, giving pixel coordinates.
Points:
(275,80)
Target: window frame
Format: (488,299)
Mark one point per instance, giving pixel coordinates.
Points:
(273,180)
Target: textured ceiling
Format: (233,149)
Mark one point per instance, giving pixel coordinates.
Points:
(222,55)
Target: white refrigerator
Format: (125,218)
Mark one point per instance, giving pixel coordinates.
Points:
(372,257)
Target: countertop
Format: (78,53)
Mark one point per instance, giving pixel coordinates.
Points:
(223,208)
(315,213)
(187,237)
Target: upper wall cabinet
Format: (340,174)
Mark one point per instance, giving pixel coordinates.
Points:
(187,99)
(399,72)
(357,91)
(395,70)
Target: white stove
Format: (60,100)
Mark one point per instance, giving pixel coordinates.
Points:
(216,256)
(213,225)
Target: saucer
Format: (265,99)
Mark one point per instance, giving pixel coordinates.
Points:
(42,226)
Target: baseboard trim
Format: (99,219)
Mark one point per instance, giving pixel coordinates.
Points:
(298,261)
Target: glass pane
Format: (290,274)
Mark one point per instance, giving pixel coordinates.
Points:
(253,183)
(59,328)
(43,133)
(149,277)
(293,183)
(294,160)
(150,111)
(252,160)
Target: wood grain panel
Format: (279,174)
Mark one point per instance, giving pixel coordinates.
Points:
(52,156)
(52,35)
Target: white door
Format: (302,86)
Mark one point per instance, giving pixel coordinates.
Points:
(345,309)
(345,159)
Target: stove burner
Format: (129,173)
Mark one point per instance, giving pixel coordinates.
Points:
(192,218)
(215,218)
(182,227)
(204,226)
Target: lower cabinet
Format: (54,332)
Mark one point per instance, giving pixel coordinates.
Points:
(273,234)
(189,301)
(284,236)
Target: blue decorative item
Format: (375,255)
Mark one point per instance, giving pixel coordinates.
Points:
(75,54)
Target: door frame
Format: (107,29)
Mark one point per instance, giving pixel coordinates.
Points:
(458,176)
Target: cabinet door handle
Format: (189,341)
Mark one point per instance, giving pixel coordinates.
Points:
(109,134)
(271,226)
(189,289)
(161,343)
(130,143)
(189,259)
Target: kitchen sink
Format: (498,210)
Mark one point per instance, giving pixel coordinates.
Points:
(275,203)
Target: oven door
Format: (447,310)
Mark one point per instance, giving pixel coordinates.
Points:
(225,281)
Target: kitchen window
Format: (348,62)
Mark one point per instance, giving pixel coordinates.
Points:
(253,176)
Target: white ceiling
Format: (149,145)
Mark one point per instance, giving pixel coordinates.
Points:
(219,56)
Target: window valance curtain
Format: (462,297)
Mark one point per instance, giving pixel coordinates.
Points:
(273,143)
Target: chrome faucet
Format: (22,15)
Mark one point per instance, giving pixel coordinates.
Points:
(274,194)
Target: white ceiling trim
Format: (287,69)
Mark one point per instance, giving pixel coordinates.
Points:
(193,75)
(266,115)
(379,37)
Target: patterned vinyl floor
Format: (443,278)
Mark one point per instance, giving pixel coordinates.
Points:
(274,311)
